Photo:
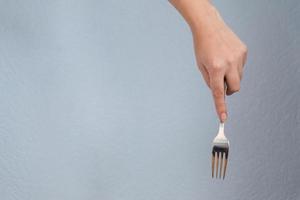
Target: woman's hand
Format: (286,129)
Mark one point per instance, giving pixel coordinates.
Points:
(220,54)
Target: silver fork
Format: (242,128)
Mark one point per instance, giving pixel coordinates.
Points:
(220,150)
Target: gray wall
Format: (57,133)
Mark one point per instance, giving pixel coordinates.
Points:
(102,100)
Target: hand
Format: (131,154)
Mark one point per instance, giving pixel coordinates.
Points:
(220,54)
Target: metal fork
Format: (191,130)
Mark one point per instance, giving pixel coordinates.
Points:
(220,150)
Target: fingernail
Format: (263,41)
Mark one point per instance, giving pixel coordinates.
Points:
(223,117)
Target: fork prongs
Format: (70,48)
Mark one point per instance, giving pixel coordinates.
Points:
(213,163)
(225,164)
(217,164)
(221,163)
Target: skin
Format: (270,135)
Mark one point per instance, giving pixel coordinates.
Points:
(220,54)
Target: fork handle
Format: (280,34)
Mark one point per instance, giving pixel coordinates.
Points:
(221,129)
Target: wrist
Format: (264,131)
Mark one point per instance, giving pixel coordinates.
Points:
(205,19)
(197,13)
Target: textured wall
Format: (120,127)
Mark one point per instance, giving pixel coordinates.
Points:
(102,100)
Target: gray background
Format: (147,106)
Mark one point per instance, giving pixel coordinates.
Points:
(102,100)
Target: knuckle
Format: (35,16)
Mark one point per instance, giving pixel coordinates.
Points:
(216,65)
(235,88)
(244,50)
(231,60)
(218,93)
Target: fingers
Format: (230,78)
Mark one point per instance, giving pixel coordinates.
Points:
(224,72)
(218,92)
(233,82)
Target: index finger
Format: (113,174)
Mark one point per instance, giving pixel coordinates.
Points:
(217,85)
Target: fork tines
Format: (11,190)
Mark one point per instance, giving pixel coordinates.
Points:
(219,155)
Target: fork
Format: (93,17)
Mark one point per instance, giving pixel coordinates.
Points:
(220,150)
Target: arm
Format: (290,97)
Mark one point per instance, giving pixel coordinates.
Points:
(220,54)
